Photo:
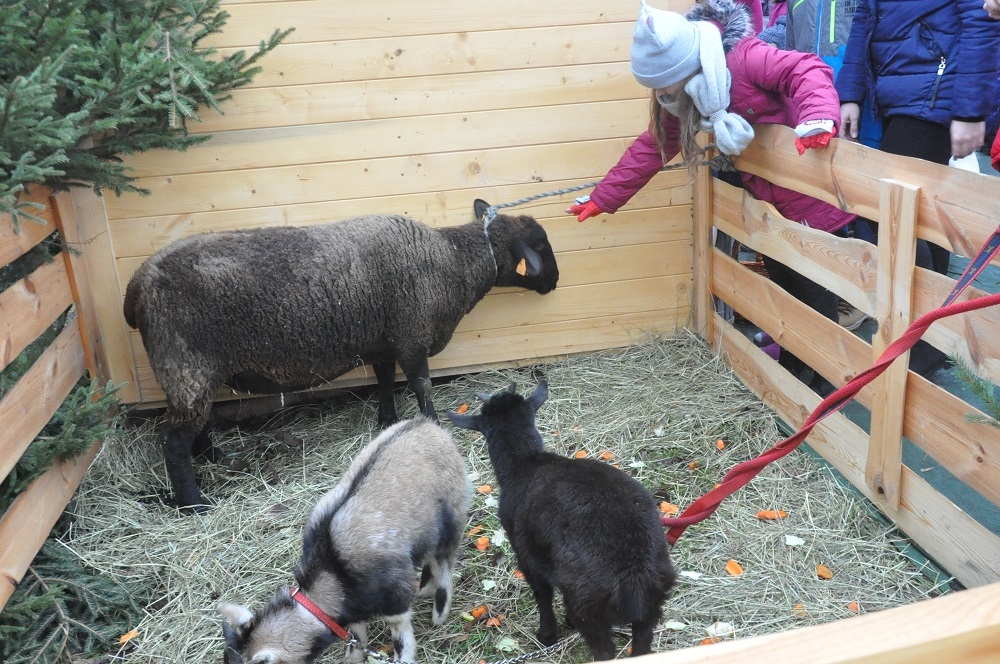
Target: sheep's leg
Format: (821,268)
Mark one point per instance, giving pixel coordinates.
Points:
(177,441)
(418,374)
(543,592)
(403,641)
(642,635)
(355,654)
(204,448)
(385,372)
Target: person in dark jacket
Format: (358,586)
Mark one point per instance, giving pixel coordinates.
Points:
(929,66)
(708,71)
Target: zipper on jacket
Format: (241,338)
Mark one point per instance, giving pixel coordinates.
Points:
(937,80)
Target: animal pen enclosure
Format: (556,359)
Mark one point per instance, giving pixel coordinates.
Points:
(393,108)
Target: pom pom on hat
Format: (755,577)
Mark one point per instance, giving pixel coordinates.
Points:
(665,48)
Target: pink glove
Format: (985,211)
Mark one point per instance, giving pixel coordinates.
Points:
(585,210)
(814,141)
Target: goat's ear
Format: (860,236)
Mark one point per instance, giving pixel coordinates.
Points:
(539,396)
(533,262)
(512,388)
(473,422)
(265,657)
(238,616)
(479,207)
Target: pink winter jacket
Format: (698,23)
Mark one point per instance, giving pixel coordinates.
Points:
(769,86)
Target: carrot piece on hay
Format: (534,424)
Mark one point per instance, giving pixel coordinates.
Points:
(734,568)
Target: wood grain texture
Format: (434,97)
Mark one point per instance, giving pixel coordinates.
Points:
(29,306)
(25,525)
(950,536)
(91,266)
(14,242)
(894,313)
(933,418)
(958,209)
(33,399)
(959,627)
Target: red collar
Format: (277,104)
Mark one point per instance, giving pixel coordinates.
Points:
(301,598)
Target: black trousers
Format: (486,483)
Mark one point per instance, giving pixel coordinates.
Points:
(930,141)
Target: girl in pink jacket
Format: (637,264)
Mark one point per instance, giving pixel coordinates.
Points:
(709,72)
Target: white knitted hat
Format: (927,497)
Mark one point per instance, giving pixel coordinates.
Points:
(665,48)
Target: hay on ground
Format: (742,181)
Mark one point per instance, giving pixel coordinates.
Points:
(658,407)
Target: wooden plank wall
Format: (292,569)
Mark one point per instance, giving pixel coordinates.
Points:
(394,107)
(27,309)
(949,206)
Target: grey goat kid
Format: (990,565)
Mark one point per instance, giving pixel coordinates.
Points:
(578,525)
(402,504)
(272,310)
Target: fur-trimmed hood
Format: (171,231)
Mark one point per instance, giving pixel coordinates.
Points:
(731,17)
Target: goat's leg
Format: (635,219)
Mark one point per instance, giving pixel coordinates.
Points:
(598,638)
(177,441)
(442,596)
(418,375)
(403,641)
(642,635)
(385,372)
(543,592)
(355,654)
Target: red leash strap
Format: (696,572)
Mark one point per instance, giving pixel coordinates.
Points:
(742,473)
(331,624)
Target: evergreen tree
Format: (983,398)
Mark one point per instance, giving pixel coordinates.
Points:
(83,82)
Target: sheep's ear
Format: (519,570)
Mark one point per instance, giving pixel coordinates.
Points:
(473,422)
(533,262)
(238,616)
(479,207)
(539,396)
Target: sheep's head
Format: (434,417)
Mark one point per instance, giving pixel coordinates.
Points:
(522,251)
(280,633)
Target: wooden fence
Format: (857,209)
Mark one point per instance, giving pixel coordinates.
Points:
(27,309)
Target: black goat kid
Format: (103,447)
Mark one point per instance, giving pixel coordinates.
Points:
(579,525)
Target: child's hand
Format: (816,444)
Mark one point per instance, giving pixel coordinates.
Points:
(814,141)
(585,210)
(813,134)
(850,117)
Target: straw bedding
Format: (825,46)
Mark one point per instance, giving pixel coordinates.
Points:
(659,407)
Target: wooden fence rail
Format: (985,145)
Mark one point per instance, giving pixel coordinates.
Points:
(909,199)
(27,309)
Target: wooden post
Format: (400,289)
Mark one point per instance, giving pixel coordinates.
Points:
(90,260)
(704,309)
(898,205)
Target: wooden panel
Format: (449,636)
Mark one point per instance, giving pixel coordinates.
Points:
(702,207)
(958,209)
(950,536)
(935,420)
(958,627)
(28,307)
(25,525)
(141,237)
(14,244)
(849,267)
(253,108)
(375,139)
(29,405)
(320,20)
(82,221)
(366,178)
(307,63)
(893,311)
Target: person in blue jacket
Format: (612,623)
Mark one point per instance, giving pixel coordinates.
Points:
(929,66)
